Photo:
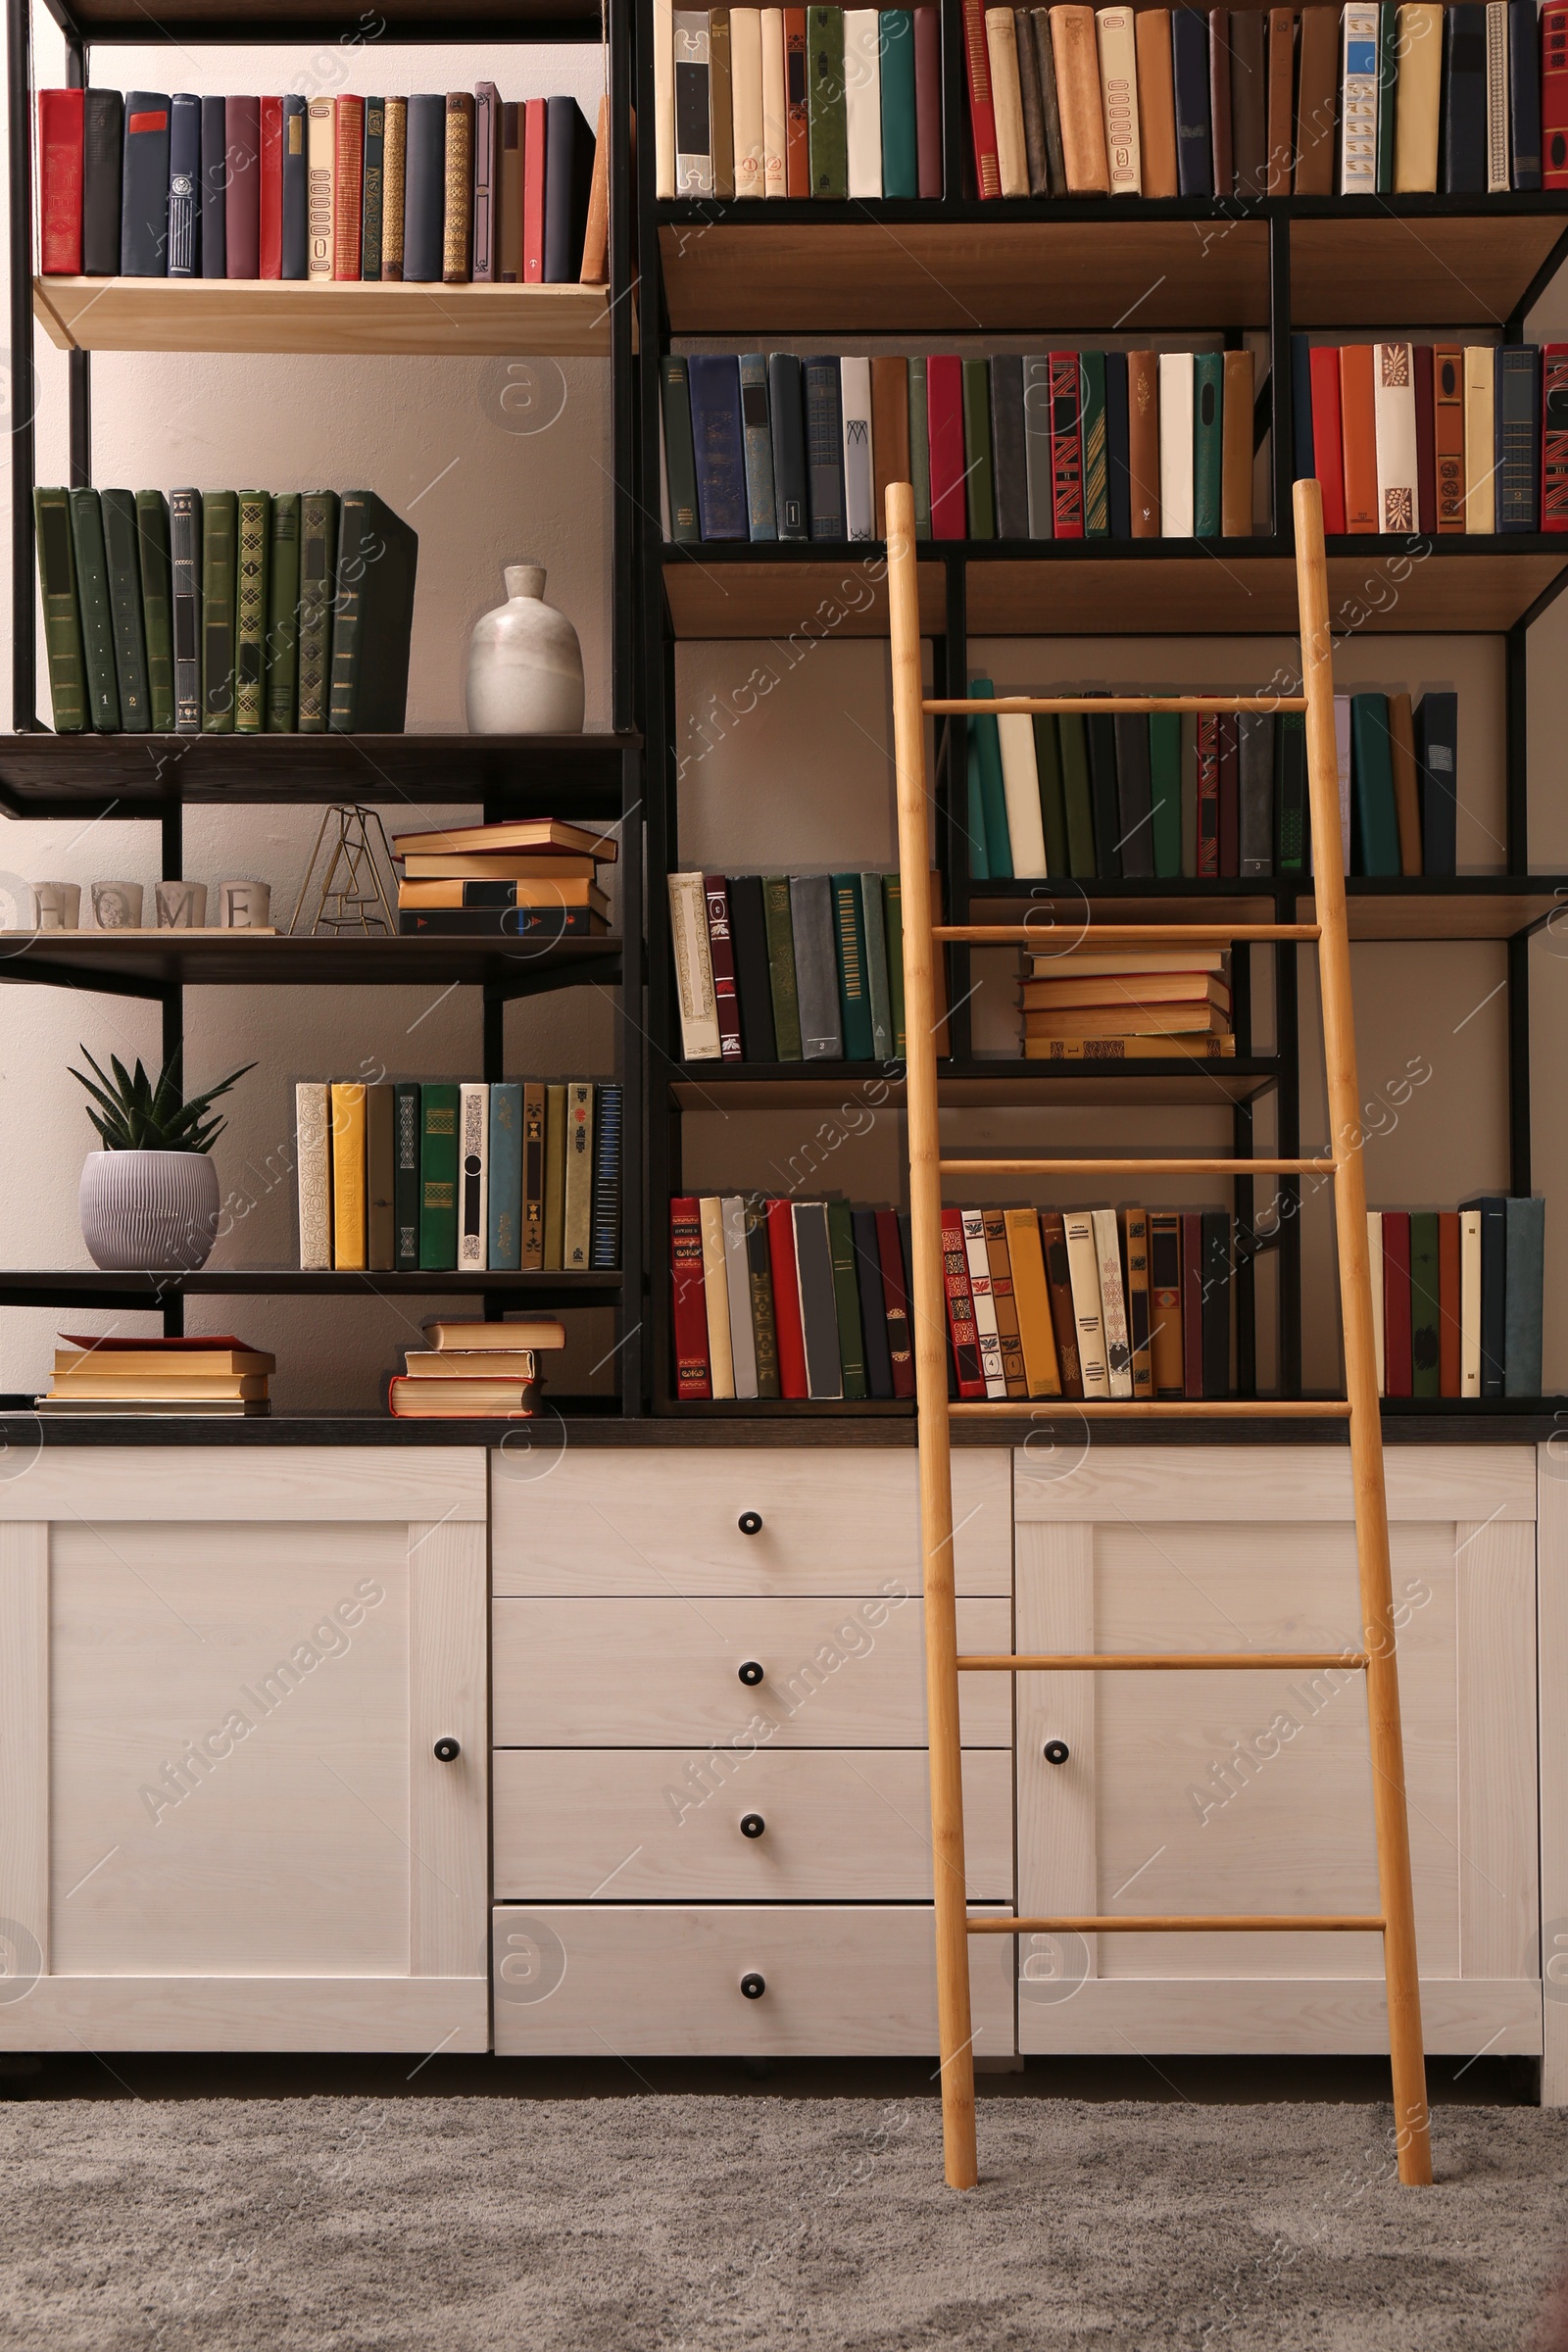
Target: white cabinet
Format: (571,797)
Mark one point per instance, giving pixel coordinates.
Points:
(224,1674)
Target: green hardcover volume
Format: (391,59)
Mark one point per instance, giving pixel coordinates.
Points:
(920,448)
(1096,477)
(874,931)
(438,1177)
(317,588)
(1426,1319)
(61,622)
(406,1178)
(1165,790)
(854,1001)
(759,1278)
(1074,738)
(97,620)
(780,929)
(1376,825)
(900,169)
(893,917)
(975,809)
(220,526)
(827,126)
(157,608)
(979,485)
(124,557)
(250,613)
(372,626)
(1053,804)
(283,613)
(1289,792)
(1208,394)
(680,466)
(847,1299)
(993,794)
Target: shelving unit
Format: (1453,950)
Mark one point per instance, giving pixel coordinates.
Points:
(369,321)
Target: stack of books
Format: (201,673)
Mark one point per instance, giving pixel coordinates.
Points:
(789,1299)
(225,611)
(473,1372)
(533,879)
(1098,1003)
(787,967)
(213,1379)
(1457,1297)
(452,187)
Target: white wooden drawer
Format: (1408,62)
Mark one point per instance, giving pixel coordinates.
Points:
(667,1674)
(646,1979)
(652,1824)
(659,1521)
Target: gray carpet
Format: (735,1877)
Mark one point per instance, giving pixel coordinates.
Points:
(701,2225)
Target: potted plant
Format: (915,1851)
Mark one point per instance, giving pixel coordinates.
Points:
(149,1198)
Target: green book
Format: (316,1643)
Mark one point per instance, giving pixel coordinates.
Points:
(318,573)
(877,965)
(97,620)
(438,1177)
(124,557)
(919,449)
(283,615)
(1425,1320)
(1096,477)
(979,862)
(901,167)
(1189,794)
(61,622)
(1387,79)
(992,794)
(1053,803)
(1165,791)
(1375,825)
(847,1300)
(1075,793)
(157,608)
(1523,1291)
(1208,394)
(893,921)
(779,928)
(827,130)
(219,527)
(406,1178)
(855,997)
(372,202)
(373,617)
(680,466)
(250,613)
(978,482)
(1289,792)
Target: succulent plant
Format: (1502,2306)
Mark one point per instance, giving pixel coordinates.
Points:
(137,1116)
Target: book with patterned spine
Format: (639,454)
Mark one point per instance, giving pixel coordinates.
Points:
(320,147)
(251,613)
(438,1176)
(62,621)
(473,1173)
(1083,1273)
(348,181)
(605,1244)
(283,648)
(1447,433)
(1394,414)
(185,564)
(962,1333)
(313,1167)
(405,1177)
(1113,1301)
(457,238)
(372,207)
(319,514)
(1118,82)
(1554,437)
(1134,1227)
(220,526)
(1358,101)
(535,1103)
(157,608)
(988,1336)
(1008,1333)
(394,181)
(721,963)
(694,137)
(577,1238)
(1498,178)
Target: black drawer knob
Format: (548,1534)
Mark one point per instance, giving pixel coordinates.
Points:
(752,1824)
(753,1986)
(1057,1751)
(749,1523)
(447,1751)
(751,1673)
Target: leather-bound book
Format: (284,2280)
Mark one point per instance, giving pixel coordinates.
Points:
(348,184)
(1279,127)
(687,1298)
(889,431)
(1497,176)
(486,182)
(824,448)
(185,565)
(185,185)
(1142,442)
(318,595)
(424,202)
(927,100)
(1517,412)
(253,533)
(145,186)
(1219,100)
(1555,94)
(103,138)
(1118,486)
(1034,112)
(94,606)
(1091,430)
(1156,102)
(721,103)
(242,208)
(269,244)
(393,186)
(1236,437)
(1248,102)
(981,109)
(945,434)
(1317,105)
(509,254)
(797,112)
(786,407)
(1358,435)
(1426,462)
(123,565)
(219,531)
(1066,447)
(1059,1285)
(1480,440)
(1328,435)
(1079,101)
(1009,476)
(1209,382)
(827,118)
(282,613)
(457,232)
(1195,160)
(157,608)
(1464,99)
(59,144)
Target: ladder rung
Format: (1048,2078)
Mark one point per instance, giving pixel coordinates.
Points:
(1007,706)
(1138,1167)
(1089,934)
(1148,1409)
(1239,1922)
(1157,1662)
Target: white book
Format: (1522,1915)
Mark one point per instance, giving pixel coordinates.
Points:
(746,97)
(986,1330)
(1037,446)
(1469,1301)
(776,105)
(1480,458)
(1006,97)
(715,1286)
(860,480)
(664,100)
(1020,785)
(694,120)
(1083,1272)
(321,150)
(474,1177)
(1358,101)
(738,1284)
(1497,176)
(312,1150)
(1374,1252)
(1119,90)
(1394,415)
(1112,1300)
(862,99)
(1175,444)
(694,969)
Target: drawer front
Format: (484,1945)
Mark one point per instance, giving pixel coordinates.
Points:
(656,1521)
(655,1825)
(648,1981)
(667,1674)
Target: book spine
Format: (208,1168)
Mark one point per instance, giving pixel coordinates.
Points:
(102,167)
(576,1241)
(457,236)
(605,1218)
(1209,821)
(394,188)
(1066,454)
(781,967)
(314,1165)
(185,560)
(760,1284)
(185,185)
(854,1006)
(1555,94)
(1554,437)
(1082,1271)
(145,186)
(824,447)
(687,1298)
(1167,1377)
(242,207)
(61,622)
(873,917)
(718,445)
(157,608)
(1113,1301)
(721,960)
(1393,419)
(122,558)
(1499,178)
(486,182)
(861,521)
(757,437)
(96,609)
(535,157)
(827,126)
(1208,381)
(680,462)
(270,186)
(380,1179)
(60,182)
(282,613)
(474,1177)
(797,117)
(254,530)
(1096,475)
(372,207)
(853,1384)
(406,1178)
(320,147)
(982,112)
(319,527)
(1447,433)
(738,1294)
(438,1177)
(988,1333)
(694,153)
(1358,102)
(694,969)
(961,1332)
(215,188)
(1518,427)
(538,1104)
(347,1174)
(1118,77)
(295,199)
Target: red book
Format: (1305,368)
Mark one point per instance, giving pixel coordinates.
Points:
(348,184)
(960,1306)
(927,99)
(688,1294)
(982,112)
(1328,458)
(1449,1309)
(1191,1303)
(533,192)
(1358,438)
(943,395)
(1208,792)
(1230,793)
(242,216)
(1397,1380)
(60,182)
(1554,437)
(796,107)
(1425,442)
(1554,95)
(721,950)
(792,1379)
(271,237)
(896,1299)
(1066,450)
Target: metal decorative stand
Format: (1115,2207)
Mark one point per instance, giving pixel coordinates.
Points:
(353,898)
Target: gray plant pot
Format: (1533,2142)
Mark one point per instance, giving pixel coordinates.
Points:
(152,1210)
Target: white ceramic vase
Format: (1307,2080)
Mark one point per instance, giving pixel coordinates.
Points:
(524,664)
(149,1209)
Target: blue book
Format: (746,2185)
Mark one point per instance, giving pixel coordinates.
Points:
(987,741)
(1303,455)
(215,188)
(1118,461)
(1524,92)
(714,380)
(296,191)
(757,428)
(1516,436)
(145,186)
(1524,1253)
(505,1242)
(1195,165)
(603,1222)
(184,185)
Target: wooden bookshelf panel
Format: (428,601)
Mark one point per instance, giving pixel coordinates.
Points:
(112,21)
(1405,907)
(87,1286)
(1418,269)
(142,963)
(300,315)
(1004,1085)
(1379,587)
(814,599)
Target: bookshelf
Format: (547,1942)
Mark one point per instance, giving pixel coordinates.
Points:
(363,322)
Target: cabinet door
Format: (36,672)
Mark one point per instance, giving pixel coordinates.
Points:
(1251,1791)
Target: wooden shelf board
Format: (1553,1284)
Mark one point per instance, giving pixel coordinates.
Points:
(813,599)
(276,314)
(114,22)
(59,1286)
(802,1085)
(1423,269)
(1414,907)
(146,963)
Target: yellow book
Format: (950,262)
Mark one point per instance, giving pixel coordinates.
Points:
(1033,1301)
(1480,458)
(554,1178)
(1417,99)
(347,1174)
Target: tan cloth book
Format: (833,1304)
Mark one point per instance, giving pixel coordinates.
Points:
(527,1330)
(1007,98)
(1078,101)
(1156,103)
(1118,92)
(1418,99)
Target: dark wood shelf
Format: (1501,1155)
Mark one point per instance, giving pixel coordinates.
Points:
(1003,1082)
(1380,908)
(114,22)
(90,1285)
(146,963)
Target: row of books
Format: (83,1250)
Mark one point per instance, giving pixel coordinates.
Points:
(521,877)
(1457,1297)
(789,1299)
(475,1371)
(208,1379)
(1057,445)
(1128,795)
(1170,999)
(1361,101)
(787,967)
(434,187)
(842,102)
(1406,437)
(404,1177)
(225,611)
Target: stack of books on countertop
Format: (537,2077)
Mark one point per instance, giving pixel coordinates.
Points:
(789,967)
(529,878)
(210,1379)
(1457,1297)
(473,1372)
(1106,1003)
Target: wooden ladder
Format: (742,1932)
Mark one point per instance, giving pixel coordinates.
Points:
(922,941)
